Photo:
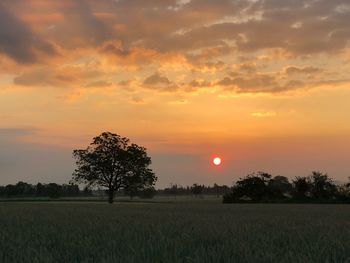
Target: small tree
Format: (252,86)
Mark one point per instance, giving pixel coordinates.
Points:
(109,161)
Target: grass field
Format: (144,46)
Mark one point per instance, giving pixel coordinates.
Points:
(200,231)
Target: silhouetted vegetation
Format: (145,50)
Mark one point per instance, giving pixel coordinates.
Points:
(114,163)
(52,190)
(196,190)
(147,193)
(263,187)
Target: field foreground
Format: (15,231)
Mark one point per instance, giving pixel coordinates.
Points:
(173,232)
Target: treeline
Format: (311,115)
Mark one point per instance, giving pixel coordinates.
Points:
(52,190)
(263,187)
(195,190)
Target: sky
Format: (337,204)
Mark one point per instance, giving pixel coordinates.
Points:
(264,84)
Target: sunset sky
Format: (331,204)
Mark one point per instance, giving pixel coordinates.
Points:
(264,84)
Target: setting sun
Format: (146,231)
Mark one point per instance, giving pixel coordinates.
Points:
(217,161)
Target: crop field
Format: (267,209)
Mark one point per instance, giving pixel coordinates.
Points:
(201,231)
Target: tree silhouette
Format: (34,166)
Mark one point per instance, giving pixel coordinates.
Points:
(196,189)
(322,186)
(254,186)
(302,186)
(110,162)
(279,186)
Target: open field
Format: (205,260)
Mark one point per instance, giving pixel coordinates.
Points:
(199,231)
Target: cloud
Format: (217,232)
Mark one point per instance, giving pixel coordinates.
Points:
(195,40)
(260,83)
(63,77)
(159,82)
(292,70)
(39,77)
(116,50)
(256,83)
(156,79)
(19,42)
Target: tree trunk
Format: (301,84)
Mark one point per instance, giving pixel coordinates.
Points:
(110,196)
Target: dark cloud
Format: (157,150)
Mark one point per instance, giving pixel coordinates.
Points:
(299,26)
(159,82)
(115,50)
(200,83)
(156,79)
(60,77)
(256,83)
(202,35)
(18,41)
(263,83)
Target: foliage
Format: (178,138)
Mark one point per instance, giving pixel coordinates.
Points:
(253,187)
(55,190)
(322,186)
(113,162)
(301,187)
(279,187)
(262,187)
(22,189)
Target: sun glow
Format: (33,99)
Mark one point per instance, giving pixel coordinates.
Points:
(217,161)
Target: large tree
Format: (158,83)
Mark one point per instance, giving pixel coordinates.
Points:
(113,162)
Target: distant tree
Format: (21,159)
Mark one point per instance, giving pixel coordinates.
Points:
(253,186)
(109,161)
(301,187)
(148,192)
(257,187)
(279,186)
(54,190)
(40,190)
(70,190)
(87,191)
(2,191)
(216,189)
(197,189)
(322,187)
(20,189)
(173,190)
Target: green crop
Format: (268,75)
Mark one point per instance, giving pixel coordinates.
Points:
(173,232)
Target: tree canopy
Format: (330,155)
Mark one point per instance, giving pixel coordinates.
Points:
(262,187)
(113,162)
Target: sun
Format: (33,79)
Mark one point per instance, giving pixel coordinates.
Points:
(217,161)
